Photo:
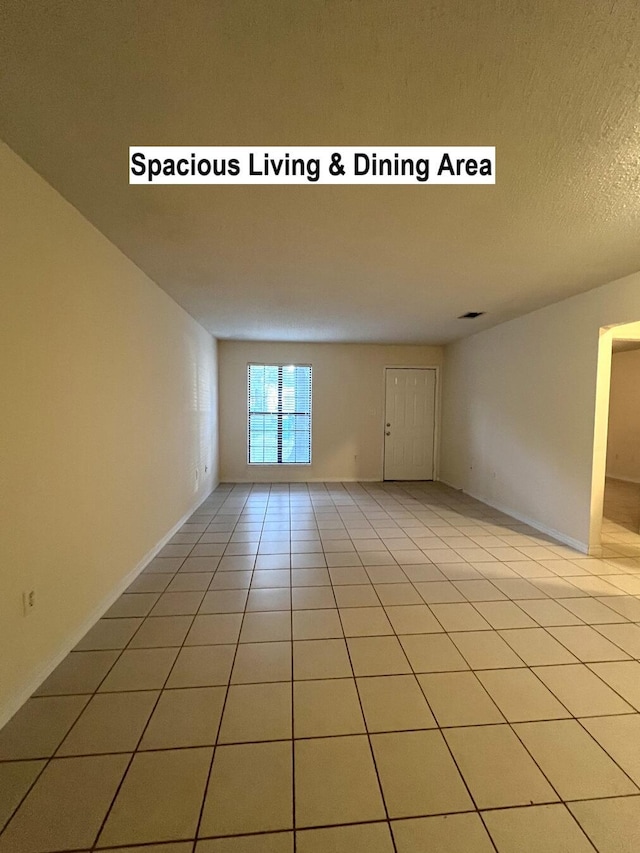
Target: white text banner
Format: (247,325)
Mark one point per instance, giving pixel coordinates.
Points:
(312,165)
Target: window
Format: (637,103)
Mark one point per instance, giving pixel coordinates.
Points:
(279,420)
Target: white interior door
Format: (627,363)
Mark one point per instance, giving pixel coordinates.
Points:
(409,423)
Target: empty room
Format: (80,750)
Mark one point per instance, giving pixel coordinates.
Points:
(320,435)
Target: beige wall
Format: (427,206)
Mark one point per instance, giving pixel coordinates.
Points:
(623,448)
(519,411)
(348,406)
(108,409)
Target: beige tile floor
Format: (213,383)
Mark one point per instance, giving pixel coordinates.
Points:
(342,667)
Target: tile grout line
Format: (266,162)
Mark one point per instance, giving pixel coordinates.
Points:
(160,692)
(473,800)
(50,758)
(337,508)
(368,735)
(293,704)
(135,752)
(222,711)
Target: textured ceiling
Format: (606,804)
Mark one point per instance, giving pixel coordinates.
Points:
(553,85)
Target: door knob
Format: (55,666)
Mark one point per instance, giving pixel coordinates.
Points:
(387,433)
(388,425)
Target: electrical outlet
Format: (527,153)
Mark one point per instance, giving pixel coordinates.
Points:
(29,601)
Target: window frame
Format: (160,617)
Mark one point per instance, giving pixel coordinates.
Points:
(279,365)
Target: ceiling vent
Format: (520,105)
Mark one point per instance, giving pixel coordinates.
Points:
(471,315)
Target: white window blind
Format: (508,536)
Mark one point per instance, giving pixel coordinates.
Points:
(279,418)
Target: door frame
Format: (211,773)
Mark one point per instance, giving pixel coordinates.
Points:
(436,414)
(607,335)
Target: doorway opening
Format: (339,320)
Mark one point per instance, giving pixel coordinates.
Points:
(615,499)
(621,515)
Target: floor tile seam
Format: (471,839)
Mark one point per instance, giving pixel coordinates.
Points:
(567,810)
(471,603)
(192,544)
(437,726)
(533,671)
(50,758)
(319,639)
(579,660)
(371,750)
(365,731)
(535,761)
(137,750)
(466,725)
(140,738)
(450,750)
(228,681)
(612,714)
(478,669)
(565,802)
(517,602)
(444,739)
(293,722)
(606,751)
(389,822)
(94,692)
(488,834)
(337,678)
(207,784)
(128,751)
(47,759)
(597,629)
(502,631)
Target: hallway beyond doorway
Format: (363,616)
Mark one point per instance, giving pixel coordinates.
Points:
(621,520)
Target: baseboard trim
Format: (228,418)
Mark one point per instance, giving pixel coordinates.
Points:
(583,547)
(8,709)
(279,482)
(450,485)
